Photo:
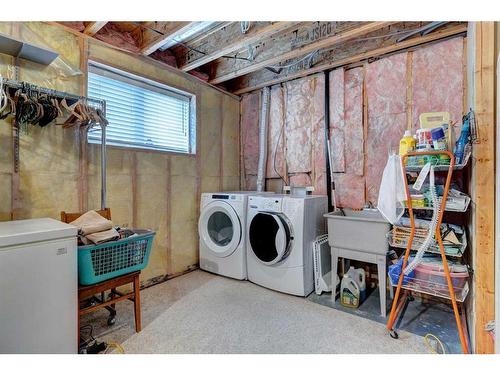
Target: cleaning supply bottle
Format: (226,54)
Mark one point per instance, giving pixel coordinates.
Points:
(353,288)
(407,143)
(462,141)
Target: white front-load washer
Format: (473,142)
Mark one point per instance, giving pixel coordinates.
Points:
(221,228)
(280,234)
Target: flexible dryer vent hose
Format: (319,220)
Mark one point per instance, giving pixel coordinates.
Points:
(264,119)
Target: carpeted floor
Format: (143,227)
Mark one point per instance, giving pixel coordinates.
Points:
(204,313)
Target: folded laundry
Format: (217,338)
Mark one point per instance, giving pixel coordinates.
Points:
(91,222)
(104,236)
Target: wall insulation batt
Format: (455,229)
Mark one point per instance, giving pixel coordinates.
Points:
(370,108)
(156,190)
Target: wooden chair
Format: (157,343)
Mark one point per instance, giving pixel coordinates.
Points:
(89,292)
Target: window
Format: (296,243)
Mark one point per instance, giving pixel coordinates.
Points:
(142,113)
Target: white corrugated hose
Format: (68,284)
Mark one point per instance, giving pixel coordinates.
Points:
(263,125)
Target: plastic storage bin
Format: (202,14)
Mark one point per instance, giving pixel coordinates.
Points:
(432,273)
(97,263)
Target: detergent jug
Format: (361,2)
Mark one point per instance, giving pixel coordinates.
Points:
(353,288)
(407,143)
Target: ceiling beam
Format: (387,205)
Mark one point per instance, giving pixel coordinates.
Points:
(93,28)
(327,42)
(360,57)
(155,44)
(249,39)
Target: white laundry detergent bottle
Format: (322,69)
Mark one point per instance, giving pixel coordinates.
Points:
(353,287)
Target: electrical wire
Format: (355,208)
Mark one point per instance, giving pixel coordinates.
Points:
(308,57)
(311,55)
(439,344)
(90,339)
(235,57)
(113,344)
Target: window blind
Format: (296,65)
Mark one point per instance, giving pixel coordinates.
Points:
(141,114)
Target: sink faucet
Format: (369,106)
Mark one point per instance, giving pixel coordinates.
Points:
(369,204)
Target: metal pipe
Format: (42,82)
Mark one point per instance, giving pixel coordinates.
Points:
(264,119)
(330,188)
(103,165)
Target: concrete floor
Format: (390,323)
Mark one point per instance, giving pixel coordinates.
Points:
(419,317)
(203,313)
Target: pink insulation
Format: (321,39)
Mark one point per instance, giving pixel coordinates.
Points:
(276,141)
(112,35)
(438,79)
(75,25)
(304,131)
(349,190)
(318,135)
(386,96)
(300,179)
(298,125)
(250,135)
(346,136)
(353,121)
(167,57)
(201,75)
(337,142)
(297,110)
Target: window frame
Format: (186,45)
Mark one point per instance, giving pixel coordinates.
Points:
(152,85)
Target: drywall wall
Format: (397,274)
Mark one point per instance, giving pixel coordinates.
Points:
(145,189)
(370,108)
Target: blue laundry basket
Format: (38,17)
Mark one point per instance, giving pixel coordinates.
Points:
(102,262)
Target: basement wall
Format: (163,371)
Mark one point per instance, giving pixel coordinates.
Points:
(145,189)
(371,105)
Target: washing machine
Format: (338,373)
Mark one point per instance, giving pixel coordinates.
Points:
(280,234)
(221,228)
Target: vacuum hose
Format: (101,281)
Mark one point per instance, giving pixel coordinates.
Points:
(432,227)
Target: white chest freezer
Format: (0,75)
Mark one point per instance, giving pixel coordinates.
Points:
(38,287)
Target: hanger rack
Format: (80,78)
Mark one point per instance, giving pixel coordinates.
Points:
(71,98)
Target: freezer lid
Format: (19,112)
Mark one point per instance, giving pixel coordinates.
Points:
(19,232)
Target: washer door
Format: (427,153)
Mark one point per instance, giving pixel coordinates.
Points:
(220,228)
(269,235)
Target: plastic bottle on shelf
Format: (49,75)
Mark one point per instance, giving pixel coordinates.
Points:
(440,144)
(438,139)
(407,143)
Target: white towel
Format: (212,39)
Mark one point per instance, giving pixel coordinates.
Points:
(91,222)
(392,191)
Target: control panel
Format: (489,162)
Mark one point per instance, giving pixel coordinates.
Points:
(265,203)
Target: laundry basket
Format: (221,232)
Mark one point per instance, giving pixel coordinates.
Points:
(97,263)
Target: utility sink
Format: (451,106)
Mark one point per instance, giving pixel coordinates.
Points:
(364,230)
(360,235)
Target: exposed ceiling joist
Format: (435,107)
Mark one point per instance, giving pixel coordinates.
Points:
(360,57)
(206,33)
(323,43)
(156,43)
(93,28)
(245,41)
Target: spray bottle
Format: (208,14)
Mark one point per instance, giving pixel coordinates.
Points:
(462,141)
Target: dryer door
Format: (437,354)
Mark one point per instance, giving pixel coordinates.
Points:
(220,228)
(270,237)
